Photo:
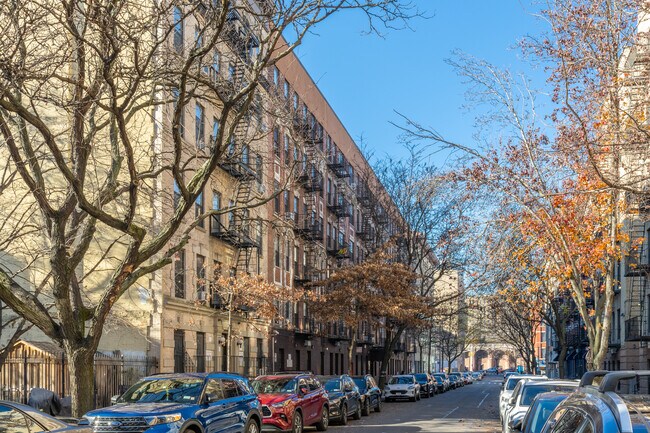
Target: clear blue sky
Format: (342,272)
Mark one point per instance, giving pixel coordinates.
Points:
(366,78)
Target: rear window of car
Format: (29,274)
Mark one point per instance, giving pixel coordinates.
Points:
(421,377)
(512,382)
(529,392)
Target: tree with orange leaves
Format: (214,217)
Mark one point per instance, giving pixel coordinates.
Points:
(378,291)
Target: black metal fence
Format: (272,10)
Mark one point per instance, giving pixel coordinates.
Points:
(113,375)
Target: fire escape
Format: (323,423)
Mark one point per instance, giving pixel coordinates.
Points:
(238,161)
(338,203)
(637,325)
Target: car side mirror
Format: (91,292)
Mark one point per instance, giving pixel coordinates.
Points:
(114,399)
(515,424)
(303,389)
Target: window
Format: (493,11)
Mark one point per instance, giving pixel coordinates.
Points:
(230,388)
(18,422)
(200,126)
(199,209)
(295,101)
(179,274)
(216,66)
(216,205)
(276,251)
(295,205)
(177,194)
(215,129)
(286,90)
(276,141)
(232,72)
(198,37)
(259,238)
(214,390)
(287,207)
(181,120)
(286,149)
(569,422)
(276,200)
(287,257)
(200,273)
(276,76)
(178,30)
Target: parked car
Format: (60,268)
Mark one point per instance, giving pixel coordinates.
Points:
(477,375)
(540,409)
(344,397)
(459,378)
(522,397)
(508,387)
(292,401)
(603,408)
(182,402)
(18,418)
(402,386)
(370,393)
(427,387)
(440,385)
(467,377)
(445,380)
(454,381)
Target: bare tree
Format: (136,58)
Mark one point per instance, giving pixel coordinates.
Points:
(93,98)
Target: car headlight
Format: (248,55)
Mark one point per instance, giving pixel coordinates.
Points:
(163,419)
(387,388)
(411,387)
(87,420)
(281,404)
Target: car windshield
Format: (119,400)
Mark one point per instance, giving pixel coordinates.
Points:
(185,390)
(285,385)
(333,385)
(421,377)
(438,379)
(512,382)
(541,413)
(400,380)
(529,392)
(360,382)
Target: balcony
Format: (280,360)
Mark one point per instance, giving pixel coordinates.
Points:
(309,228)
(366,339)
(304,325)
(367,232)
(311,179)
(338,250)
(338,205)
(235,234)
(399,347)
(338,332)
(240,37)
(636,330)
(364,196)
(338,165)
(239,166)
(306,130)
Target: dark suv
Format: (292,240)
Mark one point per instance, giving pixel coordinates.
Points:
(292,401)
(602,408)
(344,397)
(427,385)
(184,403)
(370,393)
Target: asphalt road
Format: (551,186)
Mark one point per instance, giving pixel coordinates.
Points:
(472,408)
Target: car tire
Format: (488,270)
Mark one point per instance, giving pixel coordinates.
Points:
(366,407)
(344,415)
(297,425)
(252,427)
(378,407)
(324,422)
(357,414)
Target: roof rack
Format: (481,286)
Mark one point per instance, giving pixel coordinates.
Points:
(588,377)
(611,380)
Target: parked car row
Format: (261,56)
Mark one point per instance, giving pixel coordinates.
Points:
(603,401)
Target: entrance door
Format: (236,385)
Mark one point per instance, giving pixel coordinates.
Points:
(179,351)
(200,352)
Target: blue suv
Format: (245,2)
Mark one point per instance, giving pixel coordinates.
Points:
(182,403)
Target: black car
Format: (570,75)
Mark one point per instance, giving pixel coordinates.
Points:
(344,397)
(370,394)
(18,418)
(427,387)
(439,384)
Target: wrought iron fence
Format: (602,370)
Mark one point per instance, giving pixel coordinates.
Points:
(113,375)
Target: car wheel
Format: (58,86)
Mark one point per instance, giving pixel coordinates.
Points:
(252,427)
(366,407)
(324,420)
(297,423)
(344,414)
(378,407)
(357,414)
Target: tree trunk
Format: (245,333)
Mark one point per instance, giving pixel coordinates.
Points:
(388,351)
(351,348)
(82,379)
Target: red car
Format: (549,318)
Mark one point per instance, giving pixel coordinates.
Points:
(290,402)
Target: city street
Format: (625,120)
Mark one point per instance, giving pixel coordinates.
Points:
(472,408)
